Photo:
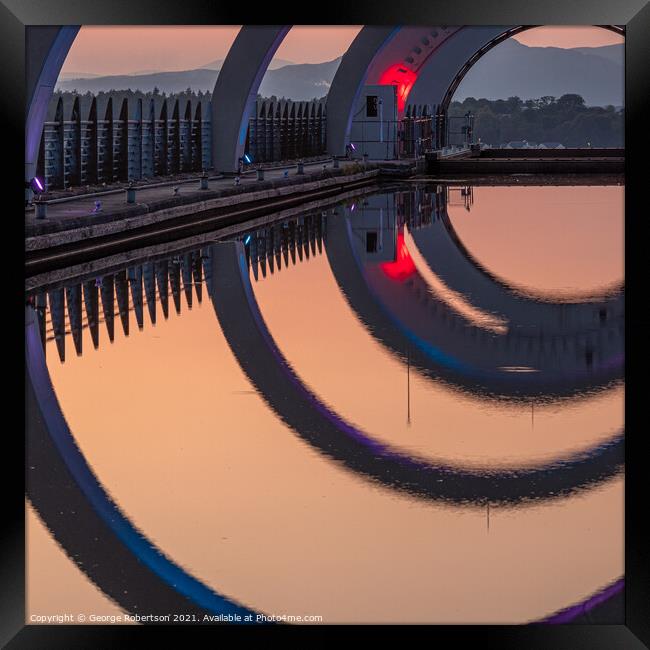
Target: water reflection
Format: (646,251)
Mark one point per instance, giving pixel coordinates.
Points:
(418,303)
(269,371)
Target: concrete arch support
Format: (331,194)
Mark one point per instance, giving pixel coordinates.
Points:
(236,90)
(438,73)
(348,81)
(46,50)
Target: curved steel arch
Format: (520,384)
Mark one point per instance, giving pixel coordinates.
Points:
(437,84)
(236,89)
(438,57)
(46,50)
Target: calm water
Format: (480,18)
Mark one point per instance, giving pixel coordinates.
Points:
(404,408)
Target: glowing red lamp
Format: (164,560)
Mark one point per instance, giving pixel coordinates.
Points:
(403,78)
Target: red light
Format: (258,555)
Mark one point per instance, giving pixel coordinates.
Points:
(403,266)
(401,77)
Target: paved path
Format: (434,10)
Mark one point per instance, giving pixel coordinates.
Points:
(84,205)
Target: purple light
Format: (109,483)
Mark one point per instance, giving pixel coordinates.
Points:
(353,147)
(38,183)
(354,205)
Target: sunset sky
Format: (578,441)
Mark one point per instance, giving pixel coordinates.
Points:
(110,50)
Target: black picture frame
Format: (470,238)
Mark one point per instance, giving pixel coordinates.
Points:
(15,15)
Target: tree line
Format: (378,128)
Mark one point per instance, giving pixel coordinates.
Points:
(188,93)
(547,119)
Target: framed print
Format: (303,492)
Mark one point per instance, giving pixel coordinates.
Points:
(325,324)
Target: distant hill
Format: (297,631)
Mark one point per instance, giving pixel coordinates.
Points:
(274,65)
(294,81)
(509,69)
(169,82)
(300,81)
(596,73)
(77,75)
(615,53)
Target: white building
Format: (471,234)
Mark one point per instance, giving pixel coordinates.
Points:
(374,125)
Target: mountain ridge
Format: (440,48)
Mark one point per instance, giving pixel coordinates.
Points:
(595,73)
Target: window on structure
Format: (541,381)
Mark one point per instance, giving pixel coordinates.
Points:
(371,105)
(371,242)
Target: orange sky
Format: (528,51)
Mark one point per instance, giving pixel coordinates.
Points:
(568,36)
(129,49)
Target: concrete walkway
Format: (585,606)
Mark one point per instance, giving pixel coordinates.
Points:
(83,206)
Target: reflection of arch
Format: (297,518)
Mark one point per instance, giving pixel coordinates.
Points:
(259,357)
(433,60)
(449,258)
(60,481)
(94,532)
(405,317)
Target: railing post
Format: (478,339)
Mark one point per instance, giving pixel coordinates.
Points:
(130,193)
(41,209)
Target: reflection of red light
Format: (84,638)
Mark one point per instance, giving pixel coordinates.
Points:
(403,266)
(403,78)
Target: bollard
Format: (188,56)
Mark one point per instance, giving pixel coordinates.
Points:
(260,174)
(335,163)
(130,193)
(301,168)
(41,209)
(204,181)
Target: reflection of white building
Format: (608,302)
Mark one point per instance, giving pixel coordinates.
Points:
(374,123)
(550,145)
(372,221)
